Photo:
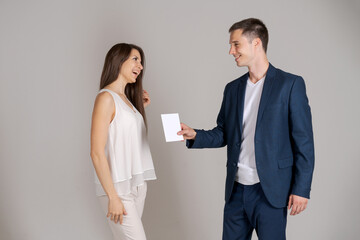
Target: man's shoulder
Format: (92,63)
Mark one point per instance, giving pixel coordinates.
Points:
(286,76)
(236,82)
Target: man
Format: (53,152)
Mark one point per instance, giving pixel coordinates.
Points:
(265,121)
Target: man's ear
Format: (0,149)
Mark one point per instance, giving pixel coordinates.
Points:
(257,42)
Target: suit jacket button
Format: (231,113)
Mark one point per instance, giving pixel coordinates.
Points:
(234,164)
(238,144)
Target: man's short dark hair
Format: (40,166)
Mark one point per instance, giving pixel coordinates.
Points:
(252,28)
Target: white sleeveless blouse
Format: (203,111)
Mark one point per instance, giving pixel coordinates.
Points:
(127,149)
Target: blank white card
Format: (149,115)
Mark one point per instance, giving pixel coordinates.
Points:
(171,125)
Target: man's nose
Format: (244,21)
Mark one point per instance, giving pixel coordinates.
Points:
(231,51)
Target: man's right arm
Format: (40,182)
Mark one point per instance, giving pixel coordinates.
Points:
(214,138)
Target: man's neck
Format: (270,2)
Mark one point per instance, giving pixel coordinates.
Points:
(258,70)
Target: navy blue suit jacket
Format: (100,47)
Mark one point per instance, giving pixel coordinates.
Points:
(284,146)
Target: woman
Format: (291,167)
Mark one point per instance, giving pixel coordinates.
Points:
(119,148)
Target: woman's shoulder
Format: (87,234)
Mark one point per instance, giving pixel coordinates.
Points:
(104,99)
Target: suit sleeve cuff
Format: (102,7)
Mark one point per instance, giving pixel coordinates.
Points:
(301,192)
(194,143)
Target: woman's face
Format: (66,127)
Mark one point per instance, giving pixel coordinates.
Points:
(132,67)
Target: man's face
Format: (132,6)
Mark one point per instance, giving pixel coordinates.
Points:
(241,48)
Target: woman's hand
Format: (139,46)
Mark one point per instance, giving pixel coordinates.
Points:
(116,210)
(146,98)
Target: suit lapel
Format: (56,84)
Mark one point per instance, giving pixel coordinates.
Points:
(269,81)
(241,99)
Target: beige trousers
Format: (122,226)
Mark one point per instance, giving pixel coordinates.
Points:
(132,227)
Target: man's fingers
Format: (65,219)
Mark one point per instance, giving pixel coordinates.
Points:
(297,208)
(300,209)
(303,207)
(183,126)
(186,132)
(183,132)
(293,209)
(297,204)
(290,202)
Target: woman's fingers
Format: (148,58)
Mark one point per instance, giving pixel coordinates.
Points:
(145,94)
(116,209)
(116,218)
(146,98)
(121,219)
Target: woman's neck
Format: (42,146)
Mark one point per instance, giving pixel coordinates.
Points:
(118,86)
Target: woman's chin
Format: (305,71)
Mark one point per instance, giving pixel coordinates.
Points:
(130,81)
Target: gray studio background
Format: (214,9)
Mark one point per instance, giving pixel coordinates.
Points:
(52,53)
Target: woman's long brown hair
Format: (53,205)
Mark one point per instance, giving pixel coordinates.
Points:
(114,60)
